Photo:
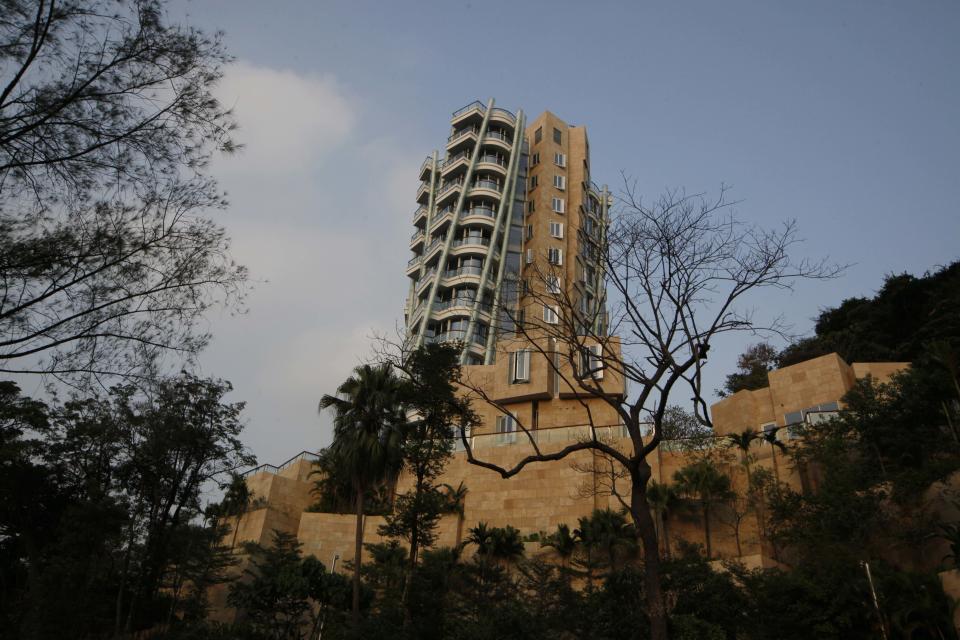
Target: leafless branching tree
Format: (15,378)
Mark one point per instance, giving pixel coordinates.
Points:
(107,122)
(677,272)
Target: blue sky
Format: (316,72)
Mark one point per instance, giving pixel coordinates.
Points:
(841,115)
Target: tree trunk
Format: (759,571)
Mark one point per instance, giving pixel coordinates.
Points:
(665,519)
(646,532)
(236,530)
(736,536)
(706,527)
(776,466)
(357,552)
(460,518)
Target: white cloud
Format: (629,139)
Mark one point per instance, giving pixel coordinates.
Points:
(287,120)
(323,227)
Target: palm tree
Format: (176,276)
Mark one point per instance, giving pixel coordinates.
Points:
(503,544)
(743,442)
(480,535)
(662,498)
(456,503)
(703,482)
(563,542)
(507,544)
(367,438)
(770,437)
(608,532)
(236,502)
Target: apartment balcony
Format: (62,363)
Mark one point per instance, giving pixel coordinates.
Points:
(423,193)
(460,276)
(469,114)
(479,215)
(433,249)
(443,217)
(448,191)
(458,307)
(493,162)
(426,168)
(461,139)
(456,162)
(420,215)
(504,118)
(417,239)
(499,139)
(425,280)
(469,245)
(457,335)
(486,188)
(413,265)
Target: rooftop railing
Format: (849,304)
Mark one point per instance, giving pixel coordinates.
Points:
(275,469)
(426,163)
(509,114)
(476,104)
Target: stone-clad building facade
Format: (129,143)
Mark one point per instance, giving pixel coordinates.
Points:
(508,202)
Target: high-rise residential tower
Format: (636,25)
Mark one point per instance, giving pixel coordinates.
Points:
(503,205)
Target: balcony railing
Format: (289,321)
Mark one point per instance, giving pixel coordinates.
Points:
(487,184)
(433,245)
(460,242)
(456,335)
(492,159)
(499,135)
(441,218)
(419,212)
(426,277)
(414,260)
(417,236)
(503,112)
(426,163)
(459,133)
(476,104)
(468,303)
(462,271)
(448,186)
(480,211)
(455,158)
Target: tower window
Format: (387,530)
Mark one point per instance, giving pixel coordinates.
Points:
(560,182)
(559,159)
(557,136)
(519,366)
(556,229)
(553,284)
(538,135)
(551,314)
(555,256)
(559,205)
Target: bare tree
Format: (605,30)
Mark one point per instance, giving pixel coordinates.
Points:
(677,273)
(107,123)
